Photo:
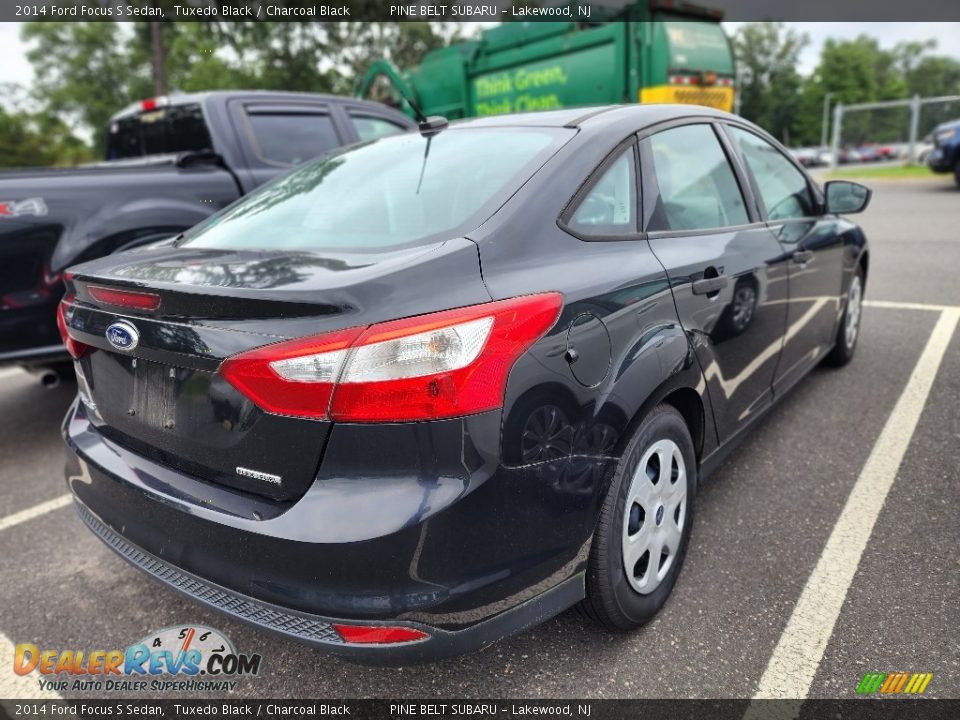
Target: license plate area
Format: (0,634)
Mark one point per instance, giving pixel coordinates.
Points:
(195,422)
(154,392)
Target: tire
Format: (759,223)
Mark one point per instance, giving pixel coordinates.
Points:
(956,173)
(622,599)
(848,332)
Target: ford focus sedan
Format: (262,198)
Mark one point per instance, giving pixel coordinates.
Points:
(436,388)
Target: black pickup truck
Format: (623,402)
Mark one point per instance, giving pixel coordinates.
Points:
(171,162)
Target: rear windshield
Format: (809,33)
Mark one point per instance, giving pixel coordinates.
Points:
(396,191)
(174,129)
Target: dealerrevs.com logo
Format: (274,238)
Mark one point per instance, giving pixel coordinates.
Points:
(180,658)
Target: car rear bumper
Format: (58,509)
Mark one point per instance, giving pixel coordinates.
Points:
(467,558)
(320,631)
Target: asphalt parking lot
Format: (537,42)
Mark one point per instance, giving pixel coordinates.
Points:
(761,542)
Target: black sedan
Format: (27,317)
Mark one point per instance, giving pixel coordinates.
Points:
(436,388)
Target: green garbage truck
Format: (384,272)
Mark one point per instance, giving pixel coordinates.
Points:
(662,51)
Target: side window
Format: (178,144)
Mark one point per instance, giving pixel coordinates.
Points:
(292,138)
(371,128)
(782,187)
(698,189)
(610,207)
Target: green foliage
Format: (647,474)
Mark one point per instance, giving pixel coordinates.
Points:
(29,139)
(767,57)
(898,172)
(850,71)
(85,72)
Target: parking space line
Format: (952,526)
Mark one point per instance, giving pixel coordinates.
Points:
(31,512)
(795,659)
(896,305)
(19,687)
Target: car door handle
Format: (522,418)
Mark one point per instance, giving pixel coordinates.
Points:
(802,256)
(709,286)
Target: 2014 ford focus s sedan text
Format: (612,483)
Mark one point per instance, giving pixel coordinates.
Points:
(436,388)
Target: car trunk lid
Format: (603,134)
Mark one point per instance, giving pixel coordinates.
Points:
(151,381)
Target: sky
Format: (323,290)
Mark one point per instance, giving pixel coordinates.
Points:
(15,68)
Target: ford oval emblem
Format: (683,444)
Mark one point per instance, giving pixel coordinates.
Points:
(123,336)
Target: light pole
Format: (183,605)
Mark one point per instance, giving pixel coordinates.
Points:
(824,123)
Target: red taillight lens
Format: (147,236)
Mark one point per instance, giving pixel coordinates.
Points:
(445,364)
(125,298)
(76,348)
(294,377)
(378,634)
(441,365)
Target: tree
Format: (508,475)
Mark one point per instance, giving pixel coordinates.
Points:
(859,71)
(929,76)
(85,72)
(35,138)
(769,84)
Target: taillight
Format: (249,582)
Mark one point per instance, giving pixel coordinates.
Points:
(294,377)
(124,298)
(76,348)
(378,634)
(154,102)
(445,364)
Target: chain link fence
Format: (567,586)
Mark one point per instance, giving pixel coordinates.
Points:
(889,130)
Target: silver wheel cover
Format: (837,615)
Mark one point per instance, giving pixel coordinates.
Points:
(654,516)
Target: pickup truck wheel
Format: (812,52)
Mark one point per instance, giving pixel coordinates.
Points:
(644,526)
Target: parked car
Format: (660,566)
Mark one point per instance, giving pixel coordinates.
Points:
(945,155)
(847,156)
(432,390)
(869,153)
(171,163)
(923,149)
(807,156)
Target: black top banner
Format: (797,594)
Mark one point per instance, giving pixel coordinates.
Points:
(441,709)
(476,11)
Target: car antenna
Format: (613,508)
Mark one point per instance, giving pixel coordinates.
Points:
(428,126)
(426,152)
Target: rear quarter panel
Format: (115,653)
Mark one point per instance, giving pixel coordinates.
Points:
(637,356)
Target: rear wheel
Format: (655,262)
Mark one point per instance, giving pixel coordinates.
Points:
(956,173)
(644,525)
(849,331)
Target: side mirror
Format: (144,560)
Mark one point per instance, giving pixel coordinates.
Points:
(845,197)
